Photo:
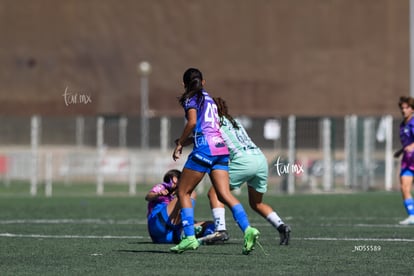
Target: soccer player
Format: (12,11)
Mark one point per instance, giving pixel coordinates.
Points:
(163,216)
(247,164)
(406,105)
(209,155)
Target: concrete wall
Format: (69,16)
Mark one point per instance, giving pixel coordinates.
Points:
(267,58)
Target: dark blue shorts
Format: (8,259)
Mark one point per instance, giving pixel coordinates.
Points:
(204,163)
(407,172)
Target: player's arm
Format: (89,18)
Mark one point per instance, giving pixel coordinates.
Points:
(409,148)
(398,152)
(153,194)
(188,130)
(187,142)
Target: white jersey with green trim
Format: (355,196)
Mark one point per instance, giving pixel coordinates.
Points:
(237,140)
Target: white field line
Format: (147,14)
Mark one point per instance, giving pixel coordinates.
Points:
(72,221)
(144,222)
(363,225)
(358,239)
(39,236)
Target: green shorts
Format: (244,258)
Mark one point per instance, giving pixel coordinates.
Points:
(251,169)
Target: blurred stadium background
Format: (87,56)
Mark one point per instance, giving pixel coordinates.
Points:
(316,83)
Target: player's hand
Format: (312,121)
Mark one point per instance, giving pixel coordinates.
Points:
(163,193)
(177,152)
(398,153)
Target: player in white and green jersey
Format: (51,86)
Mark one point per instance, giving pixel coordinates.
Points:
(247,164)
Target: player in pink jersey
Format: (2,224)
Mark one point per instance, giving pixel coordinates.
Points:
(163,215)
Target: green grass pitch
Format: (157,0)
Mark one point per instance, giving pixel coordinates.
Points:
(83,234)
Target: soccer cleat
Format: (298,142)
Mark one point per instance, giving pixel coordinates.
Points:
(187,243)
(408,221)
(218,237)
(250,236)
(284,233)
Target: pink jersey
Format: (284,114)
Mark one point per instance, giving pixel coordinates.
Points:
(161,199)
(207,135)
(407,138)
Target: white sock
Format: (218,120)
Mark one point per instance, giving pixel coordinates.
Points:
(219,218)
(274,219)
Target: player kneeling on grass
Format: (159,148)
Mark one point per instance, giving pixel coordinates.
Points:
(163,216)
(247,164)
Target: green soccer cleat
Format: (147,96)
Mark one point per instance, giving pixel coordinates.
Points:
(188,243)
(250,236)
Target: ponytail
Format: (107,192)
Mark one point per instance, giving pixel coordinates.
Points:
(193,84)
(223,111)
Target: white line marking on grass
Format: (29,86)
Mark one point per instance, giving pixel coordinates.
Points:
(362,225)
(10,235)
(72,221)
(340,218)
(358,239)
(41,236)
(366,225)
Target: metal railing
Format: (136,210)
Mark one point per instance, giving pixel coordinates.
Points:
(305,153)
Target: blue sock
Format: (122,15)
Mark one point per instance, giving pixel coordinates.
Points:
(409,206)
(240,216)
(187,221)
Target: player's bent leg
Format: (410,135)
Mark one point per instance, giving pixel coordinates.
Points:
(218,212)
(220,181)
(266,211)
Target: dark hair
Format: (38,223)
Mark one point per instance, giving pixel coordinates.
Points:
(407,100)
(193,84)
(223,111)
(168,176)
